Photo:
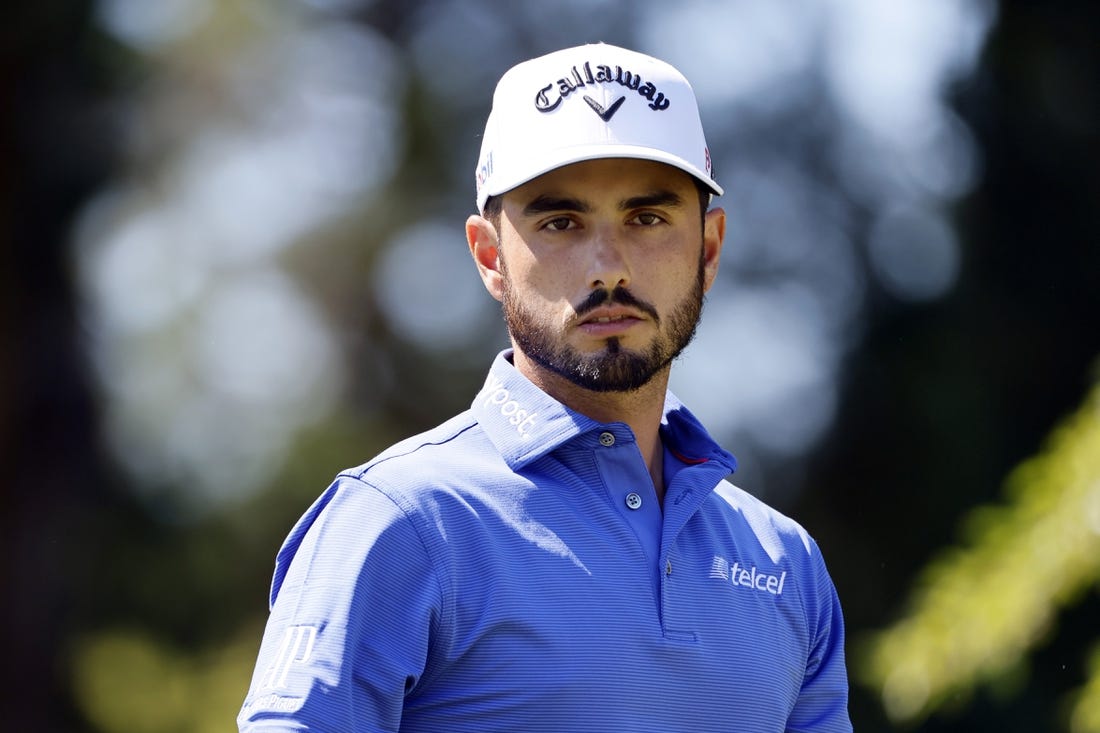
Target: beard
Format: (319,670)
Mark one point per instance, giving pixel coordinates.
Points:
(612,368)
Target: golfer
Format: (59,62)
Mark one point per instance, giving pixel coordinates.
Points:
(567,554)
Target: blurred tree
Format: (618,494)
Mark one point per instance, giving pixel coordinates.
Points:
(979,609)
(54,151)
(943,401)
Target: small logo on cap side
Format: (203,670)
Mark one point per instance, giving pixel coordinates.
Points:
(485,170)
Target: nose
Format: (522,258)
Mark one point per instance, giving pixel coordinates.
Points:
(608,265)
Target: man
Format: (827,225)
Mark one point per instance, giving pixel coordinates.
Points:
(566,555)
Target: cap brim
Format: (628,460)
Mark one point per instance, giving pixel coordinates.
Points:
(504,181)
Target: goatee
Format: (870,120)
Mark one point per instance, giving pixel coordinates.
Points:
(613,368)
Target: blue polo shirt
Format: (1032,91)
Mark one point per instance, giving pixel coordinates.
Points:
(512,570)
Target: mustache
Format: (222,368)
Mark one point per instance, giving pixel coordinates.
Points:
(618,296)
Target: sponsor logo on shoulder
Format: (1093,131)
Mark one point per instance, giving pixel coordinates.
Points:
(750,577)
(273,703)
(497,396)
(296,649)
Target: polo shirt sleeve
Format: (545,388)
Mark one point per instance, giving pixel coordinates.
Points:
(822,705)
(355,602)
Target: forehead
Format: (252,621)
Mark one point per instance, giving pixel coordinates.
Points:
(606,179)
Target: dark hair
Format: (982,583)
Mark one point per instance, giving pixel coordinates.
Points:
(495,204)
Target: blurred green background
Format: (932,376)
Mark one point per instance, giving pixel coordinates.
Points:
(233,264)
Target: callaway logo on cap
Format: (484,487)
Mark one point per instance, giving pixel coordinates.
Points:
(587,102)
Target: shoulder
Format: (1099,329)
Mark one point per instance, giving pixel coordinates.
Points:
(412,499)
(455,449)
(391,476)
(777,534)
(438,477)
(383,496)
(436,440)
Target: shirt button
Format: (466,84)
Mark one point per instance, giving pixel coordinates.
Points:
(633,501)
(607,439)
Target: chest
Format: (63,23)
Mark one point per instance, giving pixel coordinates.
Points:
(575,617)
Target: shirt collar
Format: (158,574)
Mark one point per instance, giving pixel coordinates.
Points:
(525,423)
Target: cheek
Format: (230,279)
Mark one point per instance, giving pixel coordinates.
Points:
(547,286)
(677,277)
(526,291)
(671,266)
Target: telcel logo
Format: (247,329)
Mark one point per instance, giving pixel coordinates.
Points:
(748,577)
(758,581)
(496,394)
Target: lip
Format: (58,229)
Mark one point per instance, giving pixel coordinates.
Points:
(609,321)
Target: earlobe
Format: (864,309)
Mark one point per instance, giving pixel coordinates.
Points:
(484,243)
(714,235)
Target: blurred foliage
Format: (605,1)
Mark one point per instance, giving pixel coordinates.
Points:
(980,607)
(1085,717)
(129,682)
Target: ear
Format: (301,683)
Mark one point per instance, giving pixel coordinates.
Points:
(484,243)
(714,234)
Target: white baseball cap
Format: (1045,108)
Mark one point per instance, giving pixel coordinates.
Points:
(587,102)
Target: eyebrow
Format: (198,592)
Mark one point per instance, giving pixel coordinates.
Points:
(657,198)
(544,204)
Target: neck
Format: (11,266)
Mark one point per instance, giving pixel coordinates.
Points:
(641,409)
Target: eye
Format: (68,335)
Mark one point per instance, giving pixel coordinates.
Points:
(647,219)
(559,224)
